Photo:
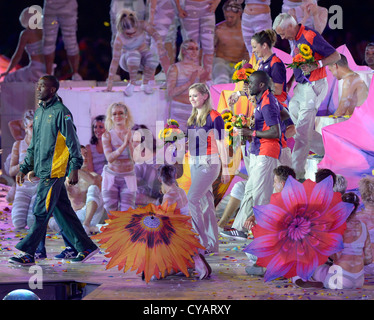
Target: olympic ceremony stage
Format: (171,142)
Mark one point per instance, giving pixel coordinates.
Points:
(90,280)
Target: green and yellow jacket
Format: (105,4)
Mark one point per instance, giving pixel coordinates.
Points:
(54,147)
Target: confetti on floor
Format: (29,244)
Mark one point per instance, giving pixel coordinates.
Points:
(228,281)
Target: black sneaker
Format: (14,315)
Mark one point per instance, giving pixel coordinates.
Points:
(23,259)
(83,256)
(235,234)
(68,253)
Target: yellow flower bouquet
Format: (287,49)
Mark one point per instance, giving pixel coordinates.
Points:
(171,132)
(304,55)
(243,71)
(241,121)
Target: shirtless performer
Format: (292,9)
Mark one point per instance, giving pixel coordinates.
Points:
(354,90)
(86,198)
(229,43)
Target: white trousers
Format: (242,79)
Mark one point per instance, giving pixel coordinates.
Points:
(203,174)
(258,189)
(303,108)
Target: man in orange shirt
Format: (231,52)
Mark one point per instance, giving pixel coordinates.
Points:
(311,88)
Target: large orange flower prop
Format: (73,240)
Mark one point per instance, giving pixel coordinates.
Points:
(151,239)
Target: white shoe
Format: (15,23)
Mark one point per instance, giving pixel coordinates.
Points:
(76,77)
(147,88)
(129,90)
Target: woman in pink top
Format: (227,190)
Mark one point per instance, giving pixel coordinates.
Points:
(119,181)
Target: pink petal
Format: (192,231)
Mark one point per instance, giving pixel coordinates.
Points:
(337,215)
(293,195)
(263,246)
(269,217)
(322,193)
(277,267)
(329,243)
(305,271)
(307,259)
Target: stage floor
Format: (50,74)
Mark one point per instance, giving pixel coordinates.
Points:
(227,282)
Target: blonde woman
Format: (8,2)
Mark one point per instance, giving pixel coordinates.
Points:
(31,41)
(206,149)
(132,52)
(119,180)
(180,77)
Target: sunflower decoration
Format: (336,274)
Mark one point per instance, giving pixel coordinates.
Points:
(171,132)
(304,55)
(151,239)
(227,116)
(243,71)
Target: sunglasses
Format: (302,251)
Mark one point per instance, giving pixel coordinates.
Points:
(233,8)
(192,48)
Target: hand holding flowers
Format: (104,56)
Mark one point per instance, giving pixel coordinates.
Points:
(237,125)
(303,59)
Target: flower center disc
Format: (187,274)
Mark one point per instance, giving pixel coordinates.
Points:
(298,228)
(151,222)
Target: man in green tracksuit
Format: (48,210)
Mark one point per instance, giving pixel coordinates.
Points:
(54,153)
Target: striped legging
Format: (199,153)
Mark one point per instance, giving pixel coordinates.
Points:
(199,25)
(64,15)
(118,190)
(252,23)
(133,60)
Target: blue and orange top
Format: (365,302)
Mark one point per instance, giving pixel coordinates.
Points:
(276,70)
(320,49)
(202,140)
(267,114)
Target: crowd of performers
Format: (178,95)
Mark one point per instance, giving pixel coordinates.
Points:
(79,185)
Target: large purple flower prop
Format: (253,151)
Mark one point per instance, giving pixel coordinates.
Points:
(300,228)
